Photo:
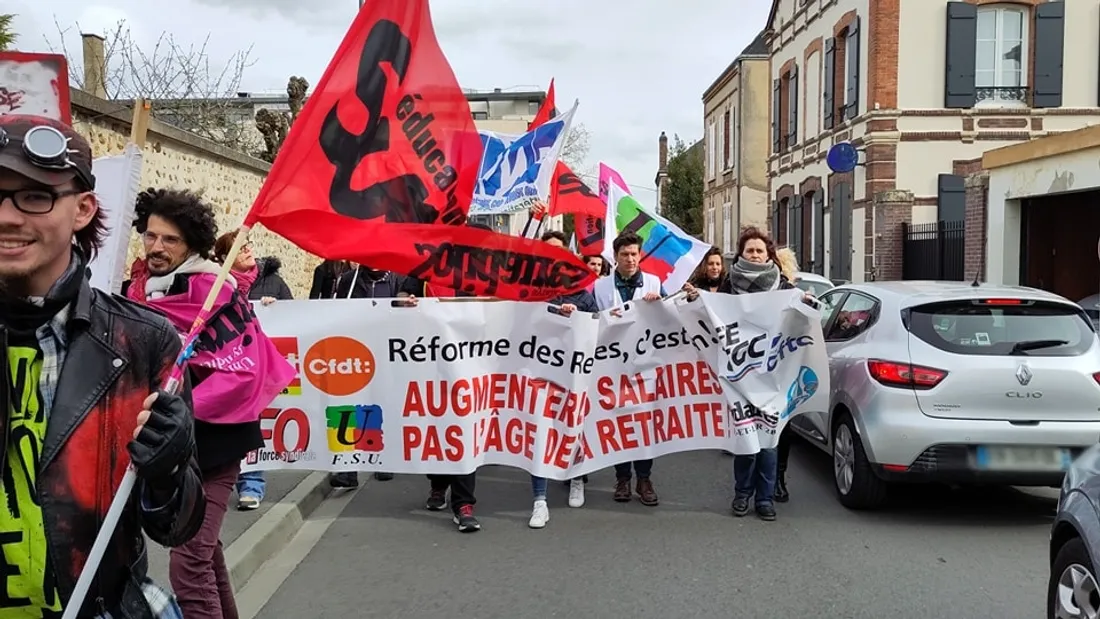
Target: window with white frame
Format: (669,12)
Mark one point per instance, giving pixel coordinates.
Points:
(726,216)
(733,137)
(711,151)
(720,140)
(710,227)
(1002,35)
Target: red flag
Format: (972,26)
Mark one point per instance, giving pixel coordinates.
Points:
(547,110)
(569,195)
(380,167)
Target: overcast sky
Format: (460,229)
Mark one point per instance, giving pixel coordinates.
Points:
(638,67)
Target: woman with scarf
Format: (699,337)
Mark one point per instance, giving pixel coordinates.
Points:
(710,274)
(257,280)
(759,476)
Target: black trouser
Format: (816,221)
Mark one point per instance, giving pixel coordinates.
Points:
(462,488)
(784,447)
(642,467)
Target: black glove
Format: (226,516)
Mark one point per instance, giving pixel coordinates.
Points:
(166,441)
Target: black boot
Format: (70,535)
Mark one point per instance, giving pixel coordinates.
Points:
(781,494)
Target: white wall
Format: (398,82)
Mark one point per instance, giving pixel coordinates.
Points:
(1077,171)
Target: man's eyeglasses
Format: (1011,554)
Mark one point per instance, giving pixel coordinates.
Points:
(167,241)
(35,201)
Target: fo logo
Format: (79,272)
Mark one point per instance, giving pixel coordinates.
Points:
(338,366)
(354,428)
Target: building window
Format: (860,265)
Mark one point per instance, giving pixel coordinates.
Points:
(733,137)
(726,140)
(533,107)
(726,209)
(999,74)
(481,115)
(711,151)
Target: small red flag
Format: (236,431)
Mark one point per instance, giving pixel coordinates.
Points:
(569,195)
(547,110)
(380,167)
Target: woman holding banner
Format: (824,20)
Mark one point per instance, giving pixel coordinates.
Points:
(758,476)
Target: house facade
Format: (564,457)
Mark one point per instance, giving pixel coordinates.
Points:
(921,89)
(735,146)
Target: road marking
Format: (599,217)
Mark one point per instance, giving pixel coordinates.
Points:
(272,574)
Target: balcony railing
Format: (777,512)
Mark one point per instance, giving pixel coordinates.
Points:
(1006,94)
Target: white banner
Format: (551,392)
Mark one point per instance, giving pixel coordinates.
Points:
(516,170)
(118,179)
(450,386)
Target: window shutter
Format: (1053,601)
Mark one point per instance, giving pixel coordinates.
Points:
(775,220)
(726,140)
(794,219)
(952,198)
(834,231)
(851,107)
(792,112)
(828,80)
(819,232)
(962,56)
(777,100)
(1050,42)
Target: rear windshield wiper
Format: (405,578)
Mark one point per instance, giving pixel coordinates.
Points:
(1026,345)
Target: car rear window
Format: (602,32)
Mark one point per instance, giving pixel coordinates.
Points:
(1035,329)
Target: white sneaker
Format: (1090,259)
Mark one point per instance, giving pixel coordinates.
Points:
(576,493)
(540,515)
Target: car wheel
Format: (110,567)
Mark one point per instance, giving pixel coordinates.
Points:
(857,486)
(1072,592)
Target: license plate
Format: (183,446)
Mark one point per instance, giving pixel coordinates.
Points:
(1023,459)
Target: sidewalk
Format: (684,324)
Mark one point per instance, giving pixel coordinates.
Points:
(252,537)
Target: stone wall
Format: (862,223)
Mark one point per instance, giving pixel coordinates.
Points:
(177,159)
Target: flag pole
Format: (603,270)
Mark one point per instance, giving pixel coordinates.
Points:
(126,486)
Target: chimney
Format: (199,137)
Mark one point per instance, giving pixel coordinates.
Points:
(662,153)
(95,66)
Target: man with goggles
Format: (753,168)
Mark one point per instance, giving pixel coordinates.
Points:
(83,369)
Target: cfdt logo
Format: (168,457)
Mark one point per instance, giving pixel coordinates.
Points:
(288,348)
(339,366)
(354,428)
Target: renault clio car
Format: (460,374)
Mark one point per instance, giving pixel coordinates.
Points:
(951,382)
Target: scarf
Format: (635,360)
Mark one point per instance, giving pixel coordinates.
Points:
(143,286)
(24,315)
(748,277)
(707,283)
(245,279)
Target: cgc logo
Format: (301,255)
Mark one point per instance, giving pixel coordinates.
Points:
(288,348)
(339,366)
(354,428)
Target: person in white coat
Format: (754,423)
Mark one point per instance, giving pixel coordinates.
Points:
(629,283)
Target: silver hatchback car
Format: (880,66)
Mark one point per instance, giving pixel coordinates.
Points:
(950,382)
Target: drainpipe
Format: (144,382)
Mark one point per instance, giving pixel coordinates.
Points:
(95,65)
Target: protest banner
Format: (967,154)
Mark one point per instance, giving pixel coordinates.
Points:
(386,150)
(447,387)
(517,170)
(35,84)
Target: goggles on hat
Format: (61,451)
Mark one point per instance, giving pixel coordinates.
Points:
(48,148)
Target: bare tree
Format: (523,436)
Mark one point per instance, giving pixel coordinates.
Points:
(274,125)
(575,149)
(184,86)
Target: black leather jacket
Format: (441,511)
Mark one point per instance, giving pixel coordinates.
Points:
(117,353)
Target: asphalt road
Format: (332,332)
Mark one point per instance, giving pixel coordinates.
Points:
(935,552)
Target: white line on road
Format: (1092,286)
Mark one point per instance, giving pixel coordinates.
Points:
(267,580)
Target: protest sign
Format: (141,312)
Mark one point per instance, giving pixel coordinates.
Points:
(447,387)
(118,180)
(35,84)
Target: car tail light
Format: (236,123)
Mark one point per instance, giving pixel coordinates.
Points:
(894,374)
(1096,377)
(999,302)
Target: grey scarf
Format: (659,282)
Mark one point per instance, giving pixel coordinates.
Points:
(748,277)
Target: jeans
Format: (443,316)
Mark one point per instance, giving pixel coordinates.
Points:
(197,569)
(462,488)
(755,475)
(538,488)
(642,468)
(251,484)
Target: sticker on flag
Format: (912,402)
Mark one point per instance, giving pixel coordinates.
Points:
(517,170)
(667,251)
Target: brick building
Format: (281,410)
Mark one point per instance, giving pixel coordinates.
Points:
(921,88)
